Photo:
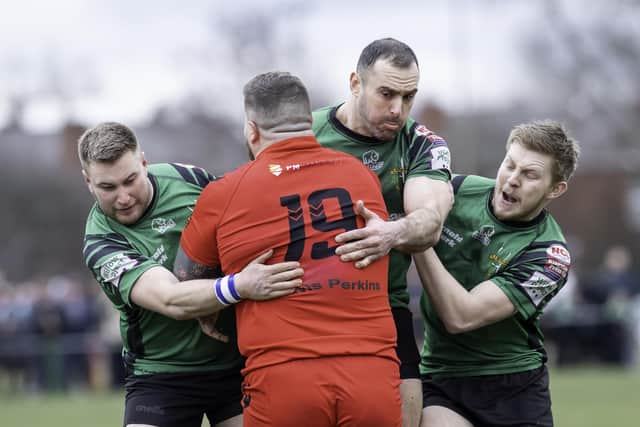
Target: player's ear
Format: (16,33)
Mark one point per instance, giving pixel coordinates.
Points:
(355,84)
(252,132)
(87,180)
(557,190)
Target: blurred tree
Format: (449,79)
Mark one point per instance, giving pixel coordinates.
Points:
(586,60)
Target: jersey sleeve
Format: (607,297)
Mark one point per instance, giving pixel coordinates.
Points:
(429,154)
(115,264)
(535,277)
(199,237)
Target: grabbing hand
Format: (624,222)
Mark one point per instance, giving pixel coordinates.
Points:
(259,282)
(365,245)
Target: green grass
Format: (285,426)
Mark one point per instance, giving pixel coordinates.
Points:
(71,410)
(595,397)
(582,397)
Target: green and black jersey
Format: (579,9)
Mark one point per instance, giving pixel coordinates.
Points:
(416,151)
(118,255)
(528,261)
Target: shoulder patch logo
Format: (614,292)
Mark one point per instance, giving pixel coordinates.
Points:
(483,234)
(275,169)
(422,130)
(162,225)
(559,253)
(440,158)
(114,267)
(371,160)
(538,286)
(558,260)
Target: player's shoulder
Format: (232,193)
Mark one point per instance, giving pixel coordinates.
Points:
(222,183)
(419,133)
(193,175)
(551,231)
(321,117)
(341,157)
(97,222)
(471,184)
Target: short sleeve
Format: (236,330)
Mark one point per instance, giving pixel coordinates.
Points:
(429,155)
(535,277)
(115,264)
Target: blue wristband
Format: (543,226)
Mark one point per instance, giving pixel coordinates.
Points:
(225,288)
(219,293)
(232,288)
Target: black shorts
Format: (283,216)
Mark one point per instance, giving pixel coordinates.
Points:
(519,399)
(181,400)
(407,350)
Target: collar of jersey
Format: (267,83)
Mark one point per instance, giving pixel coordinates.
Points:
(289,144)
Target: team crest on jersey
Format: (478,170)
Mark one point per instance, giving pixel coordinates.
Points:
(483,234)
(538,286)
(162,225)
(371,159)
(275,169)
(440,158)
(114,267)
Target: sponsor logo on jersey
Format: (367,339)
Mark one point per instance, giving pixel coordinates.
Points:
(483,234)
(440,158)
(159,255)
(162,225)
(275,169)
(559,253)
(371,160)
(538,286)
(498,260)
(295,167)
(450,237)
(114,267)
(558,260)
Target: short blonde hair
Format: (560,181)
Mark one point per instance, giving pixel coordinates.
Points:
(549,137)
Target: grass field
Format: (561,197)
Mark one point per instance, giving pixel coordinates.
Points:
(582,397)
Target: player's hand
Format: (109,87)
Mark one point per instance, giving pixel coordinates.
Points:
(365,245)
(258,281)
(208,326)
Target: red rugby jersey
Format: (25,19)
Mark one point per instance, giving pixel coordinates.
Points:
(295,198)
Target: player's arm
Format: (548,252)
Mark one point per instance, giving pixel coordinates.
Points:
(257,281)
(427,203)
(459,309)
(157,288)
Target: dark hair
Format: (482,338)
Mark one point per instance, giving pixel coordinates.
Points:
(400,55)
(549,137)
(275,99)
(106,142)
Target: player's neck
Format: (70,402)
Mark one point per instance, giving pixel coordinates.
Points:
(269,138)
(347,115)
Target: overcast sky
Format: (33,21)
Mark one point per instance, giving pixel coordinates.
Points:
(92,60)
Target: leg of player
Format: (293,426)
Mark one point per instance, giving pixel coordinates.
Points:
(231,422)
(439,416)
(411,395)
